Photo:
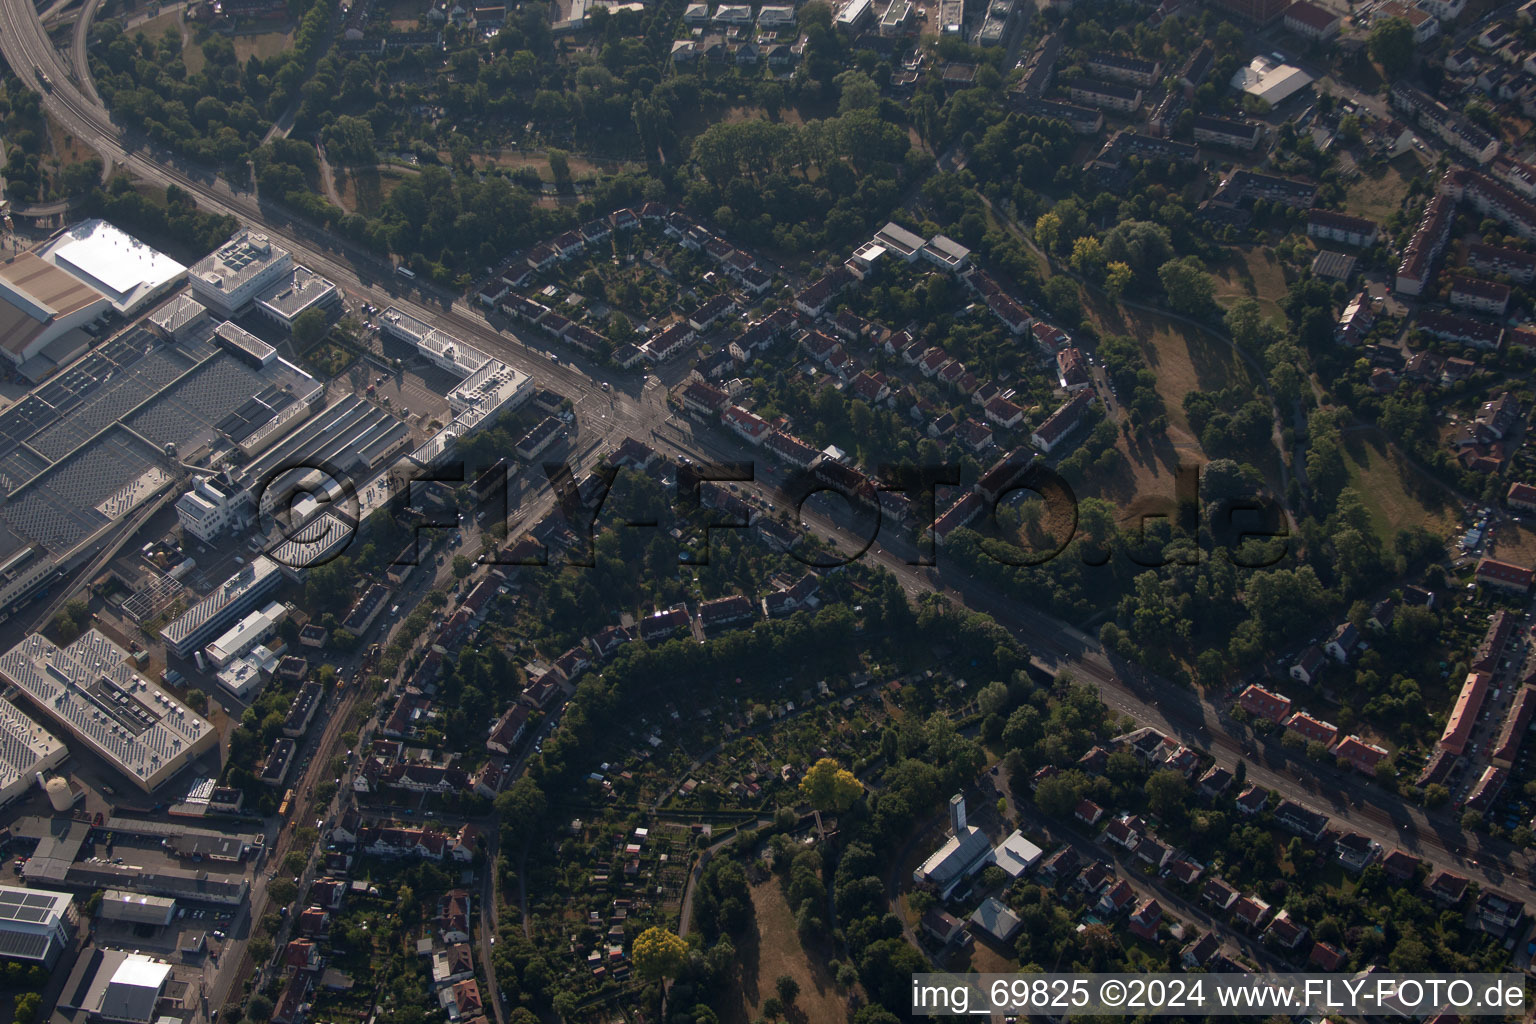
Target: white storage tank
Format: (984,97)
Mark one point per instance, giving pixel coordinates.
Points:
(59,794)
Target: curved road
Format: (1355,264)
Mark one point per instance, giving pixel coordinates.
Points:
(1349,800)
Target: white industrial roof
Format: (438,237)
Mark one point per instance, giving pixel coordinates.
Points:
(142,971)
(113,262)
(245,633)
(134,989)
(1016,855)
(1269,81)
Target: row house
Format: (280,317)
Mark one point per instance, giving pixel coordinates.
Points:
(1425,26)
(1363,757)
(1330,225)
(1106,95)
(1072,370)
(791,449)
(710,312)
(932,361)
(1122,67)
(1285,932)
(1306,823)
(961,513)
(714,367)
(1451,126)
(1480,334)
(1500,261)
(703,399)
(1521,496)
(1310,21)
(1356,321)
(726,612)
(747,425)
(1062,422)
(1517,722)
(1244,186)
(800,595)
(1312,730)
(664,624)
(1517,174)
(1050,338)
(424,843)
(1479,295)
(606,642)
(1082,120)
(1342,642)
(1222,131)
(975,435)
(1004,474)
(762,335)
(849,326)
(1492,199)
(509,730)
(1498,417)
(871,387)
(489,779)
(670,343)
(816,298)
(412,777)
(1013,315)
(1425,247)
(1003,413)
(1262,703)
(1504,575)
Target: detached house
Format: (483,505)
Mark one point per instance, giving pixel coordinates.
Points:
(1308,666)
(1343,641)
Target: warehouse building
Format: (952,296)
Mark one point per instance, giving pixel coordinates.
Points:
(36,925)
(245,634)
(1269,81)
(125,988)
(90,690)
(489,388)
(42,311)
(136,908)
(127,272)
(215,613)
(83,451)
(26,748)
(56,862)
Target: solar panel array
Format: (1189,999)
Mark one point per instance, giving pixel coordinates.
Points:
(24,945)
(18,466)
(66,470)
(89,688)
(256,413)
(23,745)
(58,509)
(197,401)
(27,907)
